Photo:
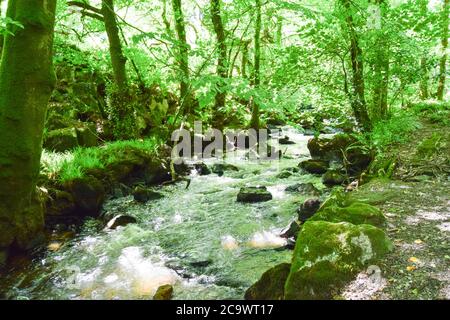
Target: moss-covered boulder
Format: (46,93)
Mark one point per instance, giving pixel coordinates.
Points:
(314,166)
(333,178)
(61,140)
(271,284)
(329,148)
(143,195)
(329,255)
(356,213)
(88,194)
(254,194)
(304,189)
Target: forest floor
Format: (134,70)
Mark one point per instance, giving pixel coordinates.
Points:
(417,206)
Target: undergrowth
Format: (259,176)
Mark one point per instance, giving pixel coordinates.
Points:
(71,165)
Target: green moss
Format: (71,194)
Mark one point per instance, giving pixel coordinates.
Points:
(70,166)
(328,255)
(271,284)
(375,192)
(356,213)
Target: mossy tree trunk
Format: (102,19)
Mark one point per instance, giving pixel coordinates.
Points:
(222,65)
(254,123)
(382,66)
(118,59)
(27,80)
(182,58)
(358,101)
(443,63)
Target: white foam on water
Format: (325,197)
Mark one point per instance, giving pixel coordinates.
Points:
(229,243)
(144,275)
(267,239)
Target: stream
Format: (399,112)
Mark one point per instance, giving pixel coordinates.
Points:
(200,240)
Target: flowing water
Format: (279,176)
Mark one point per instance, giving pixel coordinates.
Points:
(200,240)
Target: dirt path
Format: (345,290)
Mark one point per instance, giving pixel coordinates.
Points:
(417,207)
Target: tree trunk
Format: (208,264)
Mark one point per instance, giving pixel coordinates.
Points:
(358,101)
(380,94)
(244,61)
(118,60)
(222,65)
(424,78)
(443,63)
(182,58)
(254,123)
(1,35)
(27,80)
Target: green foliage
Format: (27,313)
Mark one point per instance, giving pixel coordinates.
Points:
(428,147)
(435,111)
(397,129)
(68,166)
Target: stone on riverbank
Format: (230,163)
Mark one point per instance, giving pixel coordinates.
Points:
(333,178)
(314,166)
(356,213)
(271,284)
(308,209)
(329,255)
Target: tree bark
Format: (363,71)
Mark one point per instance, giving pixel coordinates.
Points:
(254,123)
(382,68)
(27,80)
(358,101)
(222,65)
(424,78)
(443,63)
(182,58)
(118,60)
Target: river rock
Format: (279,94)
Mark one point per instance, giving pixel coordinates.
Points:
(120,221)
(314,166)
(333,178)
(291,230)
(356,213)
(202,169)
(271,284)
(329,255)
(164,293)
(221,168)
(143,195)
(254,194)
(88,194)
(303,188)
(329,149)
(182,169)
(308,209)
(285,141)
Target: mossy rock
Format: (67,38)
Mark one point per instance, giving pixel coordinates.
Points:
(61,140)
(254,194)
(375,192)
(329,148)
(333,178)
(314,166)
(329,255)
(271,284)
(164,293)
(356,213)
(88,194)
